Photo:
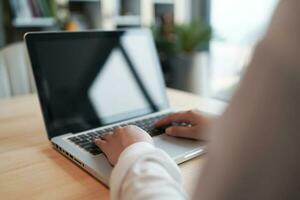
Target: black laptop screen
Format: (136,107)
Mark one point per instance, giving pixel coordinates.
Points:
(89,79)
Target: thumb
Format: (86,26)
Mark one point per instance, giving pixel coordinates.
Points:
(100,143)
(179,131)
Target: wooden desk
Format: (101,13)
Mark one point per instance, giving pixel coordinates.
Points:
(31,169)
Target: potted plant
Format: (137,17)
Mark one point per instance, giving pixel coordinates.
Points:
(178,46)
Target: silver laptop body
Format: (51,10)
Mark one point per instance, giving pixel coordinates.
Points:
(90,82)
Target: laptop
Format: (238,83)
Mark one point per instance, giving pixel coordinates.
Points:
(90,82)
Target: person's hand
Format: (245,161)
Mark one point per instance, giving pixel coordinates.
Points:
(114,143)
(188,124)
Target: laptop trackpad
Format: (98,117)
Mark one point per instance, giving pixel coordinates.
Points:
(178,148)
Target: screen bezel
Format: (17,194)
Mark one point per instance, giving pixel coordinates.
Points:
(32,38)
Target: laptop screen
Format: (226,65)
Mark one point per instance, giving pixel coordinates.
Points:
(90,79)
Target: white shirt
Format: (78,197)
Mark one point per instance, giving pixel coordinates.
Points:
(145,172)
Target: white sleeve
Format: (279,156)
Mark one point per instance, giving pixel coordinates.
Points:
(144,172)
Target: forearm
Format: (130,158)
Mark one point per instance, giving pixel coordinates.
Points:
(145,172)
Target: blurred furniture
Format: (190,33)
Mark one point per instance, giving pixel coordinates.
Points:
(111,14)
(15,71)
(31,169)
(20,16)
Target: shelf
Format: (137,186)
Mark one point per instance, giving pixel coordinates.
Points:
(128,20)
(163,1)
(34,22)
(85,1)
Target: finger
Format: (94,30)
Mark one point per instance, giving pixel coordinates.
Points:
(100,143)
(179,131)
(107,136)
(118,129)
(176,117)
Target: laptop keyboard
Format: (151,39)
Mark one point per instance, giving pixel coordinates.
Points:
(86,141)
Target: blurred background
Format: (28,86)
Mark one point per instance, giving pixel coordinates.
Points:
(204,45)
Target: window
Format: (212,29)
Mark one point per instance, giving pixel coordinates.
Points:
(238,26)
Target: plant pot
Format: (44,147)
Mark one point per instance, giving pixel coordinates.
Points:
(189,72)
